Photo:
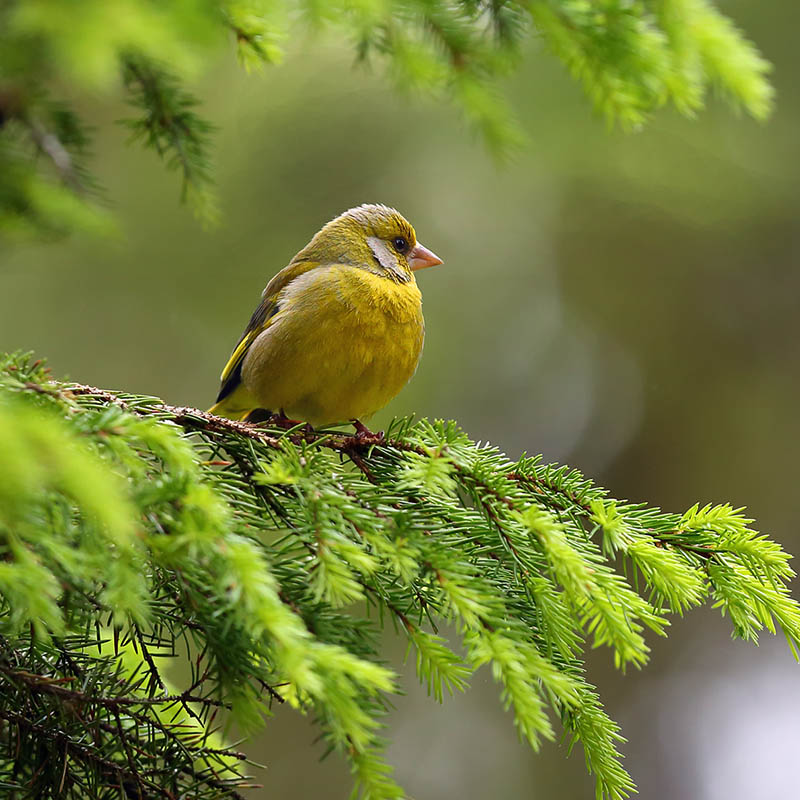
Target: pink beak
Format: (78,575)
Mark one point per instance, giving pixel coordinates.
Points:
(422,258)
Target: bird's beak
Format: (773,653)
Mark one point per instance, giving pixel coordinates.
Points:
(421,258)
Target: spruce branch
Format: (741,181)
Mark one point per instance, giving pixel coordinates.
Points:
(169,124)
(631,58)
(268,561)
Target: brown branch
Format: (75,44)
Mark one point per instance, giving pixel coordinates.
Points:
(53,686)
(155,676)
(356,447)
(193,419)
(83,753)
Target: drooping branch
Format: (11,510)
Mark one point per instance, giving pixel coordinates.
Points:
(631,58)
(263,550)
(555,493)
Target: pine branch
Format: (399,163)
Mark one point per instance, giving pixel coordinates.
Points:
(169,124)
(631,58)
(269,560)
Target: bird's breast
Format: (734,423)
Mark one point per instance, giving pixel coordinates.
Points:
(343,343)
(363,292)
(382,322)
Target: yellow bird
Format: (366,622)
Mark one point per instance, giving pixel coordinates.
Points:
(339,331)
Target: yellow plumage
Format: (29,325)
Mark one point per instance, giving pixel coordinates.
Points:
(339,331)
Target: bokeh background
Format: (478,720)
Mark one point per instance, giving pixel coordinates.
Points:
(627,303)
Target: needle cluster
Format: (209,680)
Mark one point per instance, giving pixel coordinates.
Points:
(164,572)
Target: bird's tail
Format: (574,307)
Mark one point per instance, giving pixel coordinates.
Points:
(236,405)
(221,410)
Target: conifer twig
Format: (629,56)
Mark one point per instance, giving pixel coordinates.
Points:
(277,555)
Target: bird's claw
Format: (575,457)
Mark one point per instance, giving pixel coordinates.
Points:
(365,436)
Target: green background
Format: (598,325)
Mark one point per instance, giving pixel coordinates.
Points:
(627,303)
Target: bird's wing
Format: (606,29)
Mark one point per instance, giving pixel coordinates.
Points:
(262,317)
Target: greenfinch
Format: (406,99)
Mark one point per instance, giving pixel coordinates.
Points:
(339,331)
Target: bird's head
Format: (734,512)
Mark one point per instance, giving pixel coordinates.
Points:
(372,237)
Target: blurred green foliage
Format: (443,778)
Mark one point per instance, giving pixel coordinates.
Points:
(632,57)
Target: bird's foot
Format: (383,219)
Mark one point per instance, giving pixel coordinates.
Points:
(365,436)
(258,415)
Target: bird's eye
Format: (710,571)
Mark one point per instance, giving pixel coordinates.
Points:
(400,244)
